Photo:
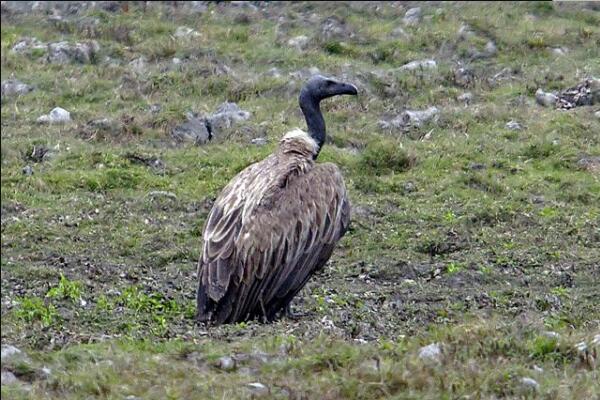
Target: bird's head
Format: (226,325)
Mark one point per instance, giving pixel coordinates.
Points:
(320,87)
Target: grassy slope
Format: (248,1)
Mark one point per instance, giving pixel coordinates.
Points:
(481,260)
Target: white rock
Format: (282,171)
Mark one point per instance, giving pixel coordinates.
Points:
(57,116)
(545,99)
(537,369)
(530,384)
(432,352)
(465,31)
(551,335)
(412,16)
(9,352)
(176,61)
(8,378)
(596,339)
(258,389)
(138,65)
(465,97)
(418,64)
(415,118)
(513,126)
(559,51)
(298,42)
(490,48)
(226,363)
(259,141)
(185,32)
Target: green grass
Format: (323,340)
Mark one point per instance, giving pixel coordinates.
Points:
(463,232)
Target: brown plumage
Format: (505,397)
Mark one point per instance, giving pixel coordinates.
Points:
(270,229)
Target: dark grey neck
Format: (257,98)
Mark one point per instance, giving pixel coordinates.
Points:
(314,118)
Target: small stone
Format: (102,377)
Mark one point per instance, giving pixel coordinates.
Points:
(513,126)
(490,48)
(10,353)
(477,166)
(463,77)
(226,363)
(465,98)
(597,114)
(185,32)
(57,116)
(139,65)
(155,108)
(409,187)
(537,369)
(27,170)
(559,51)
(399,32)
(530,384)
(11,87)
(418,64)
(431,353)
(299,42)
(465,31)
(258,389)
(259,141)
(545,99)
(176,61)
(195,130)
(8,378)
(412,16)
(227,115)
(551,335)
(415,117)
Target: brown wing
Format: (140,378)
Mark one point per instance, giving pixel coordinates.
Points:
(264,253)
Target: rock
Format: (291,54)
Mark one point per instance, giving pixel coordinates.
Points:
(139,65)
(176,61)
(513,126)
(185,32)
(559,51)
(415,118)
(418,64)
(465,31)
(589,163)
(463,77)
(11,87)
(537,369)
(412,16)
(39,154)
(10,353)
(335,28)
(195,130)
(551,335)
(530,384)
(477,166)
(597,114)
(431,353)
(155,108)
(57,116)
(64,52)
(490,48)
(8,378)
(27,45)
(545,99)
(399,32)
(299,42)
(227,115)
(274,72)
(465,98)
(409,187)
(258,389)
(226,363)
(259,141)
(161,193)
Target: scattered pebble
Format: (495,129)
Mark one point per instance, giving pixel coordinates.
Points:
(259,141)
(27,170)
(57,116)
(185,32)
(465,98)
(11,87)
(545,99)
(8,378)
(299,42)
(412,16)
(530,384)
(432,353)
(258,389)
(226,363)
(418,64)
(514,126)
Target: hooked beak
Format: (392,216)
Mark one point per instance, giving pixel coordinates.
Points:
(347,88)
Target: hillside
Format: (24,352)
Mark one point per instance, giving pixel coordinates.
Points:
(471,156)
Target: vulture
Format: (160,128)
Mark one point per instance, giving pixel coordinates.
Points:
(275,223)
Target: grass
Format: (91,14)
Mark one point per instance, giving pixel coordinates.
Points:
(463,232)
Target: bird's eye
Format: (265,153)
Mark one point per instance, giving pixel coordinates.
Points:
(329,83)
